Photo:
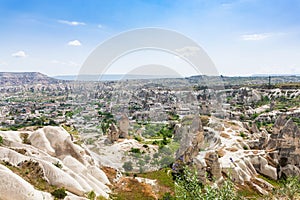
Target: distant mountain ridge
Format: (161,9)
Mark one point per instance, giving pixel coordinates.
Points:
(111,77)
(21,78)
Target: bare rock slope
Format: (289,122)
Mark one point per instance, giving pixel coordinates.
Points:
(52,157)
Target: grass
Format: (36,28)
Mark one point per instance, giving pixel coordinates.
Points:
(162,177)
(130,188)
(276,184)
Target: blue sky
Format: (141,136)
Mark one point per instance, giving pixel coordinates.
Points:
(242,37)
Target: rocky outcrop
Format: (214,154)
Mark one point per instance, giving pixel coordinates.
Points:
(115,132)
(112,133)
(192,140)
(55,159)
(123,126)
(224,153)
(213,165)
(285,142)
(262,166)
(14,187)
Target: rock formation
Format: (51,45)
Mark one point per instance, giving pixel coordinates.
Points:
(285,142)
(52,157)
(113,133)
(192,140)
(123,126)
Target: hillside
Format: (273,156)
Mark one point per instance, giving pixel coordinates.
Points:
(22,78)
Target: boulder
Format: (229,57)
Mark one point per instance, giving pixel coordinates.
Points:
(289,171)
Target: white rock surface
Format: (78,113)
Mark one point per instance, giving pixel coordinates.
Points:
(14,187)
(80,173)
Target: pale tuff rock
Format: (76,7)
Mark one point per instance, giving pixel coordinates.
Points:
(213,164)
(192,140)
(78,173)
(221,150)
(113,133)
(123,126)
(39,140)
(262,166)
(200,165)
(285,142)
(14,187)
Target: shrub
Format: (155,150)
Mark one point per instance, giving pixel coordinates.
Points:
(137,138)
(1,140)
(127,166)
(255,115)
(91,195)
(59,193)
(242,134)
(24,137)
(187,186)
(135,150)
(57,164)
(168,196)
(290,188)
(166,161)
(242,117)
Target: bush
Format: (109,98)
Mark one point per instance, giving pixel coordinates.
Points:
(242,117)
(137,138)
(290,188)
(255,115)
(135,150)
(166,161)
(1,140)
(59,193)
(91,195)
(242,134)
(168,196)
(57,164)
(127,166)
(187,186)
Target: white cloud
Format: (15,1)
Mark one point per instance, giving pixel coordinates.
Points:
(74,43)
(19,54)
(255,37)
(71,23)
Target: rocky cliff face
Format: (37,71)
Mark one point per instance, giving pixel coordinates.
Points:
(233,149)
(192,140)
(285,143)
(47,155)
(219,151)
